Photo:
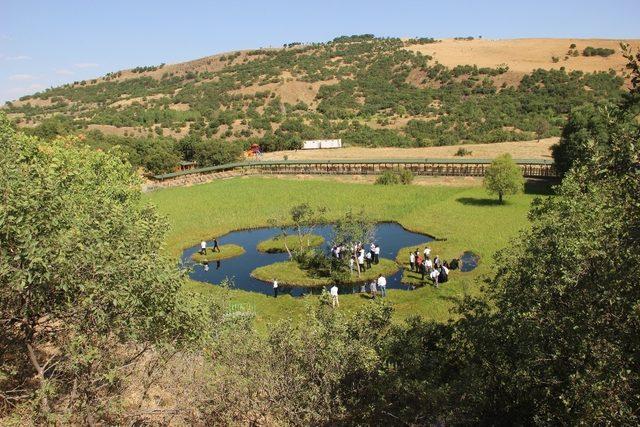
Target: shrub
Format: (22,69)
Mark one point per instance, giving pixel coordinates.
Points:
(463,152)
(403,176)
(597,51)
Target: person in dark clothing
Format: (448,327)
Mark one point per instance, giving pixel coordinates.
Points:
(215,245)
(455,264)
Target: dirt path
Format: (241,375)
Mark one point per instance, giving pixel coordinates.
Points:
(518,150)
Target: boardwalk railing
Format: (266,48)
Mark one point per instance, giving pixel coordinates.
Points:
(531,168)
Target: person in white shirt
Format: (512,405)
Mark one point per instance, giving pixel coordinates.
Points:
(412,260)
(338,250)
(334,297)
(382,285)
(361,261)
(434,276)
(428,264)
(427,251)
(351,264)
(376,255)
(203,247)
(275,288)
(368,259)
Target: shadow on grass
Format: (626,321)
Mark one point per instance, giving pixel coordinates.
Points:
(476,201)
(540,187)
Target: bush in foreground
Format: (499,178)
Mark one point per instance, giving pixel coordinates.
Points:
(85,292)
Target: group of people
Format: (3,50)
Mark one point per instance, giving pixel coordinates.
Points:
(364,259)
(436,269)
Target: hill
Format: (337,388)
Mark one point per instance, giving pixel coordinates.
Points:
(368,91)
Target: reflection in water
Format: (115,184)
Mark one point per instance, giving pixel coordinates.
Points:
(390,236)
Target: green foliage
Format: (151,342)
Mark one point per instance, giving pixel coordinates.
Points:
(585,126)
(364,78)
(597,51)
(503,177)
(81,274)
(216,152)
(147,68)
(462,152)
(390,177)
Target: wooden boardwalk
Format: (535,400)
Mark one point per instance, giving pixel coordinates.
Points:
(531,168)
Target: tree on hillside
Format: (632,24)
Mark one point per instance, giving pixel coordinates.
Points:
(85,291)
(542,128)
(214,152)
(503,177)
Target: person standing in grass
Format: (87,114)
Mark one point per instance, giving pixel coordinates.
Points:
(351,263)
(216,248)
(334,296)
(376,254)
(428,264)
(434,276)
(361,260)
(203,247)
(382,285)
(374,289)
(369,256)
(275,288)
(412,260)
(427,251)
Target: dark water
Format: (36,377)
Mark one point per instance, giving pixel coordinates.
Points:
(468,261)
(390,236)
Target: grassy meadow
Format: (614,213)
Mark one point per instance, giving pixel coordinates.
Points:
(462,218)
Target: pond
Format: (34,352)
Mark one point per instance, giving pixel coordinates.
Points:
(390,236)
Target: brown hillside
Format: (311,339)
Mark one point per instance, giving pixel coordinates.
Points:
(525,55)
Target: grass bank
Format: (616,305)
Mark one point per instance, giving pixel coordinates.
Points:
(279,244)
(289,273)
(226,252)
(465,217)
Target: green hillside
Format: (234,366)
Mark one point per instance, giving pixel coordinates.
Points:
(368,91)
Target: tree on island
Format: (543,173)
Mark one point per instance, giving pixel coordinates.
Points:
(353,229)
(503,177)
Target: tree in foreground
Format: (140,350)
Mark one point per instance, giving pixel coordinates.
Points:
(85,292)
(503,177)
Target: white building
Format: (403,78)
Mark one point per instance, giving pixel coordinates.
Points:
(321,143)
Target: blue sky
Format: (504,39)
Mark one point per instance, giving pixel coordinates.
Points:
(46,43)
